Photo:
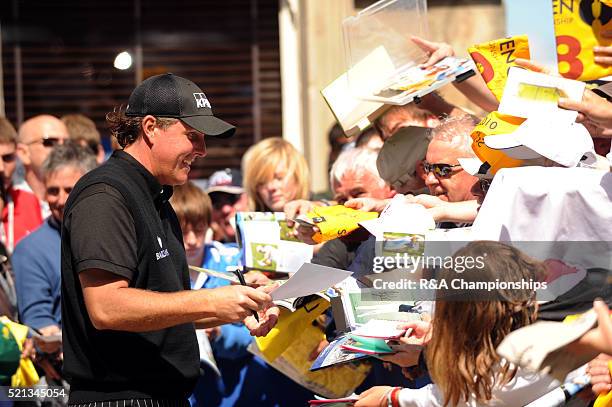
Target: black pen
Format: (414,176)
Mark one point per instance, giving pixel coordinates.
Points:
(240,276)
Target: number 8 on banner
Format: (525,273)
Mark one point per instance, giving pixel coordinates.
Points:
(571,47)
(578,28)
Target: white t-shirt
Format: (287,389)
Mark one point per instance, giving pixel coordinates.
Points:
(523,389)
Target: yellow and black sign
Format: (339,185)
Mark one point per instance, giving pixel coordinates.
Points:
(494,58)
(579,25)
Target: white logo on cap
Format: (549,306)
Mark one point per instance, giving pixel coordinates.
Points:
(201,100)
(160,242)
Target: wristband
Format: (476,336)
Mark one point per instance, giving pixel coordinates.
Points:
(393,397)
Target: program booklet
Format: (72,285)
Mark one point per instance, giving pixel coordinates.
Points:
(333,354)
(268,244)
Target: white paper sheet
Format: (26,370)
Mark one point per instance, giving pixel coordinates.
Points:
(309,279)
(514,104)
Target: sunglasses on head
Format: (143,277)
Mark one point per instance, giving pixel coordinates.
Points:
(439,170)
(54,191)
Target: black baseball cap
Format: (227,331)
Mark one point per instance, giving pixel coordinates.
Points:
(172,96)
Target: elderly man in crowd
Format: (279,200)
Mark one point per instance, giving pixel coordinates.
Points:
(451,199)
(36,259)
(446,179)
(353,175)
(36,138)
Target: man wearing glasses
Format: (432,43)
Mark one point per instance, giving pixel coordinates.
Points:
(21,211)
(37,136)
(444,176)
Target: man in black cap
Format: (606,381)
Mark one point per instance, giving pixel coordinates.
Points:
(127,312)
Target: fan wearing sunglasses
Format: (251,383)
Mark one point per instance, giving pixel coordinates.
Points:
(21,211)
(444,177)
(37,136)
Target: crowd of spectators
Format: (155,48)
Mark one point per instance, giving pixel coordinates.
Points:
(415,153)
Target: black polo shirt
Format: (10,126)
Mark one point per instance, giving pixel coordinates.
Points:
(118,219)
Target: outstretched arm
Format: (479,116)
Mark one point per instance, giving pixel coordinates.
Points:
(112,304)
(474,88)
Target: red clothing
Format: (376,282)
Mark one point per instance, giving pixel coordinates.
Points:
(26,216)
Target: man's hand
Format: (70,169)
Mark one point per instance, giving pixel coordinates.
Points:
(374,397)
(596,131)
(49,346)
(298,207)
(268,315)
(436,51)
(592,107)
(234,303)
(256,278)
(598,369)
(533,66)
(318,349)
(603,55)
(28,351)
(367,204)
(428,201)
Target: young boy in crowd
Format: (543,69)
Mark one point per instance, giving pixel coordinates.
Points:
(245,379)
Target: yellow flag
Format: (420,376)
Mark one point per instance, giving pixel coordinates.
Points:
(578,28)
(336,221)
(26,374)
(494,58)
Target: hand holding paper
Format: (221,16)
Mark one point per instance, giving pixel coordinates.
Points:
(592,107)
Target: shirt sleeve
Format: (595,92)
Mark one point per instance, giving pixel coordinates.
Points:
(102,232)
(427,396)
(34,281)
(333,253)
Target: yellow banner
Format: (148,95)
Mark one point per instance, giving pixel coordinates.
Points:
(495,123)
(336,221)
(494,58)
(578,28)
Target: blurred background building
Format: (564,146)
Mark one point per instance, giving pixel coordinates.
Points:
(262,63)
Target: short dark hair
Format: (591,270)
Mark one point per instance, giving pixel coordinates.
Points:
(127,129)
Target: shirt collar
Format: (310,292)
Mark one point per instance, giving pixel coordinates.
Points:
(160,193)
(54,223)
